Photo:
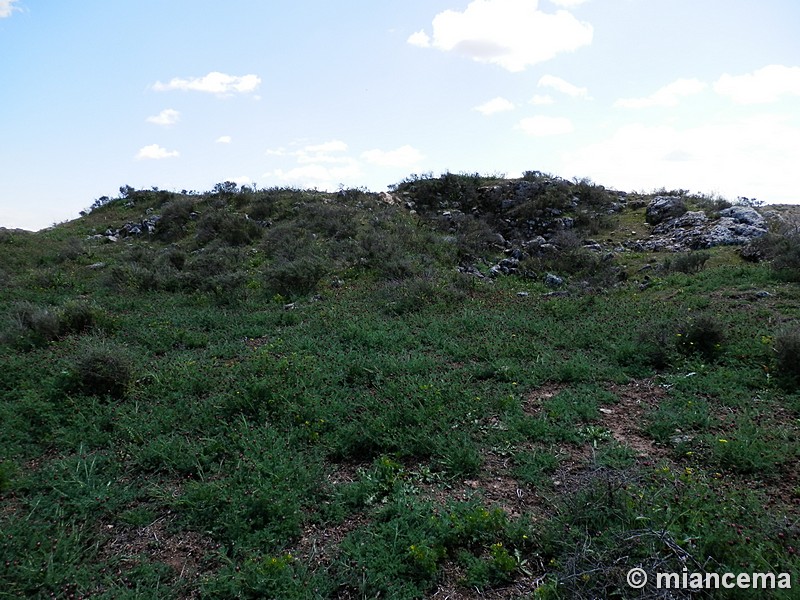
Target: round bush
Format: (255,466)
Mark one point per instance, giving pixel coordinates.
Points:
(704,335)
(787,355)
(102,370)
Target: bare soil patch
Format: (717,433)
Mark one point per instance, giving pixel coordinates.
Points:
(625,418)
(188,554)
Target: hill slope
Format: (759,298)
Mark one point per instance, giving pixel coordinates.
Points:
(467,384)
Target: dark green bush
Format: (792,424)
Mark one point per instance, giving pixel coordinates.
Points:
(329,219)
(77,316)
(449,190)
(231,229)
(132,276)
(100,369)
(8,472)
(702,335)
(30,326)
(787,355)
(787,260)
(289,240)
(298,277)
(690,262)
(654,343)
(275,203)
(70,250)
(782,249)
(174,219)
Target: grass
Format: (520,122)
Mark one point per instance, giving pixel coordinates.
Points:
(396,429)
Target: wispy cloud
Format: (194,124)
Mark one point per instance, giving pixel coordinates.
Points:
(763,86)
(322,166)
(318,176)
(7,8)
(331,152)
(327,165)
(224,139)
(541,125)
(213,83)
(668,96)
(155,152)
(565,87)
(165,118)
(513,34)
(405,156)
(495,105)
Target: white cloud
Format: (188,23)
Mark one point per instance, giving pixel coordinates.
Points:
(563,86)
(765,85)
(668,96)
(7,8)
(495,105)
(513,34)
(419,39)
(241,180)
(405,156)
(567,3)
(156,152)
(747,156)
(544,126)
(166,117)
(322,166)
(328,152)
(541,100)
(213,83)
(319,176)
(224,139)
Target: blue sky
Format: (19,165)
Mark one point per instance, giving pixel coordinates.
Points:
(701,95)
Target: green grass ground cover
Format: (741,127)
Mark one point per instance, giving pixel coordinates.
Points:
(386,437)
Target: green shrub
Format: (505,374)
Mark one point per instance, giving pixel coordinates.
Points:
(690,262)
(77,316)
(174,218)
(133,276)
(288,240)
(29,326)
(70,250)
(702,335)
(449,190)
(787,260)
(781,249)
(298,277)
(787,355)
(653,345)
(8,472)
(229,228)
(100,369)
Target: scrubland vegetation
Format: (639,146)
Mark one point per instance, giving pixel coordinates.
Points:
(292,394)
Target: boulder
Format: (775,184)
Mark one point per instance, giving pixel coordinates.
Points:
(553,281)
(662,208)
(744,214)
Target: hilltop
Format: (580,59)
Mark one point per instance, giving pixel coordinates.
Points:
(468,386)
